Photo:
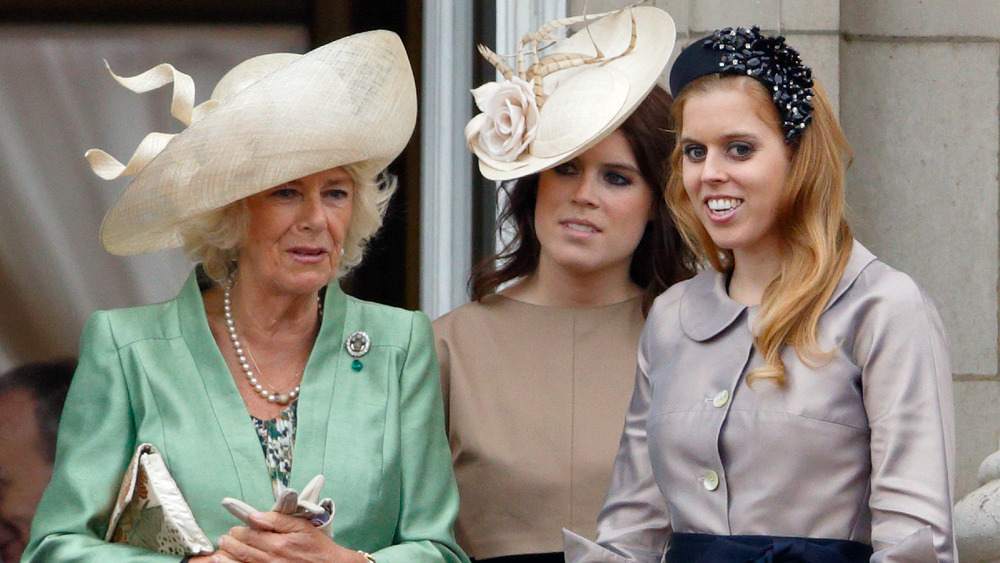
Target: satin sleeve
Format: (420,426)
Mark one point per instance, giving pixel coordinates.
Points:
(634,524)
(429,493)
(96,439)
(902,349)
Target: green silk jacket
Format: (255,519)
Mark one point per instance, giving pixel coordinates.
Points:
(155,374)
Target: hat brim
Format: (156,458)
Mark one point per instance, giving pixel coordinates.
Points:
(352,101)
(587,103)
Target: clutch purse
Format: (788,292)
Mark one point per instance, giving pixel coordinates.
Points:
(151,512)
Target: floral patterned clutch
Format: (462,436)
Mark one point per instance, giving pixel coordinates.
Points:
(151,512)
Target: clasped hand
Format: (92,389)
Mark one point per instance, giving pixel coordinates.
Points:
(289,502)
(298,528)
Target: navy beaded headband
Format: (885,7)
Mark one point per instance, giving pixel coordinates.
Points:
(742,51)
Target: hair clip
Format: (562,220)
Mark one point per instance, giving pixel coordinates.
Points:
(774,64)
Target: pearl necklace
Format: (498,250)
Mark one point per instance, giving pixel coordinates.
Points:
(279,398)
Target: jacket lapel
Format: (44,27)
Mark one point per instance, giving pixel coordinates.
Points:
(243,446)
(316,398)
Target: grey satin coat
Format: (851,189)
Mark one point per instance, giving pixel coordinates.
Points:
(858,448)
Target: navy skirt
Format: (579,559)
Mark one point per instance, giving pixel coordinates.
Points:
(707,548)
(526,558)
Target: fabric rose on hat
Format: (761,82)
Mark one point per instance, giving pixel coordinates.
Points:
(511,118)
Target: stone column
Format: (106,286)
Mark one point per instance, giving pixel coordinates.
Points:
(977,516)
(919,99)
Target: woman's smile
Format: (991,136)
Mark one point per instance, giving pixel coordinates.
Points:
(722,208)
(734,167)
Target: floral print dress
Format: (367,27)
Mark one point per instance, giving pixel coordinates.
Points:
(277,438)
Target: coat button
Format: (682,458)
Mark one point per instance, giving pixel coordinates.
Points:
(710,480)
(720,399)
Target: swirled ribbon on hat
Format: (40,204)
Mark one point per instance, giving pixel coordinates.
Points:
(510,109)
(181,106)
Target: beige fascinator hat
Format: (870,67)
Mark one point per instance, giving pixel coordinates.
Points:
(557,105)
(270,120)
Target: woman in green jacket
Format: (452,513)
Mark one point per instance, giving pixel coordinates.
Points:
(262,373)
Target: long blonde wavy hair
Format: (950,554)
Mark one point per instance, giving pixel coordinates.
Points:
(810,223)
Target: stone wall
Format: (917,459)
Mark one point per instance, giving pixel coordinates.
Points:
(919,99)
(918,91)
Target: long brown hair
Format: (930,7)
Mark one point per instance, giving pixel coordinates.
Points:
(661,258)
(811,225)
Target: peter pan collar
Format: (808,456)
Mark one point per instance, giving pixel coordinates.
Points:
(706,309)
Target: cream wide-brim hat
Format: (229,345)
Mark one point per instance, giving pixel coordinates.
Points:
(584,104)
(271,119)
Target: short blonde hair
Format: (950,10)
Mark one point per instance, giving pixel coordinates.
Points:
(214,238)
